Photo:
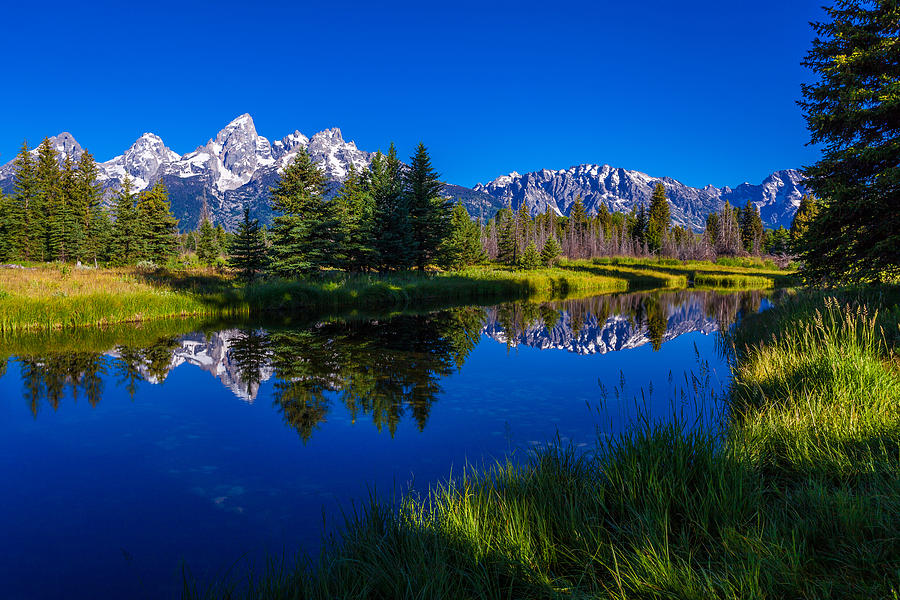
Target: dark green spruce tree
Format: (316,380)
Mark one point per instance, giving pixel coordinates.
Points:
(429,211)
(462,247)
(659,220)
(126,239)
(158,227)
(354,210)
(207,246)
(751,228)
(394,241)
(298,200)
(853,112)
(247,249)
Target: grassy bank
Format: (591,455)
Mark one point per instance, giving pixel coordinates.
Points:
(53,297)
(796,494)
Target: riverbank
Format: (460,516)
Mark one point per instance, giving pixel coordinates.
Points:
(796,494)
(47,297)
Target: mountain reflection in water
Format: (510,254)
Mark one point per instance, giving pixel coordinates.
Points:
(382,369)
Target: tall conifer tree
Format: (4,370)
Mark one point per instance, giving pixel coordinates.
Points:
(659,219)
(247,250)
(429,211)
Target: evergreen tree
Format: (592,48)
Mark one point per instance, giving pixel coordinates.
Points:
(805,214)
(92,217)
(550,251)
(530,258)
(298,197)
(429,211)
(639,229)
(126,239)
(852,110)
(507,248)
(207,245)
(22,228)
(158,228)
(394,239)
(462,247)
(45,218)
(354,210)
(247,250)
(659,220)
(64,234)
(751,228)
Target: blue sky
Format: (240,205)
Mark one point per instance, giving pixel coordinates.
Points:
(701,91)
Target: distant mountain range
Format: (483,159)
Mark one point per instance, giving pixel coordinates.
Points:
(238,166)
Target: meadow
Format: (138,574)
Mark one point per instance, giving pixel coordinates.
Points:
(54,297)
(792,492)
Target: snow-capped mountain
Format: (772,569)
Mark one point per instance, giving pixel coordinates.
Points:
(213,355)
(777,197)
(238,166)
(600,336)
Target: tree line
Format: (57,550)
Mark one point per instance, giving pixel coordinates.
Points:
(386,217)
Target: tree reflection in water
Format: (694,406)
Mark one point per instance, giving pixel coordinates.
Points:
(384,369)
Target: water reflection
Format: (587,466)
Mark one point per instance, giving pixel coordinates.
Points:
(383,369)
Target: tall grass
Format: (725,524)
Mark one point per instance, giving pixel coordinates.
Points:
(794,494)
(50,298)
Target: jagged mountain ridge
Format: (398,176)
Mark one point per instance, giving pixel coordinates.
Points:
(617,332)
(777,197)
(238,166)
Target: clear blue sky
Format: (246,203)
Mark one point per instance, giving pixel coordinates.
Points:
(701,91)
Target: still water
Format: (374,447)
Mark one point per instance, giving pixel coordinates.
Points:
(129,453)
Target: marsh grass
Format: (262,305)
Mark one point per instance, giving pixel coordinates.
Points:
(53,298)
(793,493)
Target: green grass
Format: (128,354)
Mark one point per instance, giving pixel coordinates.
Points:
(732,281)
(794,493)
(49,298)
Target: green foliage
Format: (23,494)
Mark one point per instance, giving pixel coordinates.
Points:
(158,228)
(851,110)
(462,247)
(659,219)
(530,258)
(126,230)
(354,211)
(507,247)
(394,240)
(751,228)
(207,245)
(550,251)
(429,211)
(298,197)
(247,250)
(805,214)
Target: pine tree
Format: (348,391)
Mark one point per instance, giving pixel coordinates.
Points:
(530,258)
(93,218)
(462,247)
(659,220)
(298,199)
(126,239)
(852,111)
(751,228)
(158,228)
(207,246)
(805,214)
(394,239)
(354,211)
(20,229)
(65,234)
(247,250)
(44,210)
(639,228)
(429,211)
(550,251)
(507,248)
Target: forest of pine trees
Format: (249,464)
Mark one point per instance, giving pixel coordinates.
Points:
(389,216)
(55,213)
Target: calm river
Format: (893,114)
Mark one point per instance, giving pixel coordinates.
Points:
(129,453)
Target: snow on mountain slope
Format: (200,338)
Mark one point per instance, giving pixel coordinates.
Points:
(237,167)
